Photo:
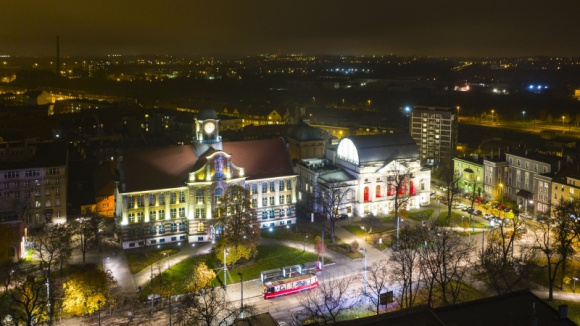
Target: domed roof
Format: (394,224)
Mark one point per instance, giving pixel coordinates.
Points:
(205,114)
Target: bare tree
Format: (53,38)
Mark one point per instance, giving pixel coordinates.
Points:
(398,177)
(555,239)
(405,265)
(53,246)
(82,236)
(332,195)
(444,261)
(499,269)
(452,178)
(330,299)
(208,307)
(378,281)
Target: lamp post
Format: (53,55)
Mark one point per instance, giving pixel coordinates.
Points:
(458,108)
(523,116)
(563,128)
(492,112)
(241,295)
(365,271)
(225,269)
(574,284)
(99,304)
(304,248)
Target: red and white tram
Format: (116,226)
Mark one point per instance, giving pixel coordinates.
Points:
(290,285)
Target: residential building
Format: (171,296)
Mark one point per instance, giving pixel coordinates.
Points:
(523,168)
(168,194)
(495,170)
(565,184)
(13,225)
(435,131)
(36,173)
(470,170)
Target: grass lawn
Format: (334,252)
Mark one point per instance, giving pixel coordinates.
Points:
(138,260)
(573,309)
(296,232)
(269,257)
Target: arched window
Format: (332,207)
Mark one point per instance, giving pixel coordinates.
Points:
(264,215)
(264,187)
(254,188)
(182,226)
(378,191)
(173,227)
(218,194)
(153,229)
(272,214)
(366,194)
(162,229)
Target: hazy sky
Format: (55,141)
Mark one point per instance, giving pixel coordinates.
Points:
(421,27)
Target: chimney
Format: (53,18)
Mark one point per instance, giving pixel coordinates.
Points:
(562,311)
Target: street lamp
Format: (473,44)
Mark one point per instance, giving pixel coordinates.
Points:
(574,284)
(241,295)
(225,269)
(492,112)
(365,273)
(523,116)
(304,248)
(99,304)
(458,112)
(563,130)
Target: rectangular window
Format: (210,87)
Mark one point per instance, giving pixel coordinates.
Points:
(281,185)
(11,174)
(173,212)
(152,215)
(32,173)
(140,217)
(52,171)
(254,202)
(281,199)
(182,196)
(272,201)
(288,199)
(161,214)
(140,201)
(173,198)
(254,189)
(131,217)
(181,211)
(200,213)
(264,187)
(289,184)
(264,201)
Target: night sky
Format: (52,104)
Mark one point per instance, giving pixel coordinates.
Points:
(191,27)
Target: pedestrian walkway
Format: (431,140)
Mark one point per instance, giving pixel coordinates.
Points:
(347,237)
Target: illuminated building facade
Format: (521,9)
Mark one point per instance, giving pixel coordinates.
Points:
(435,131)
(168,194)
(368,165)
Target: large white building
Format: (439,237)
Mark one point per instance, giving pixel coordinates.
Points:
(368,165)
(168,194)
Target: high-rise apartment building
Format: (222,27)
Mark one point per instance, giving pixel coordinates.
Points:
(435,131)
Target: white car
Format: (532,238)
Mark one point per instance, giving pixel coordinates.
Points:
(460,206)
(488,216)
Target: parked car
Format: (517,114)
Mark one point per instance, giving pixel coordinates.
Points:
(477,212)
(478,199)
(488,216)
(460,206)
(465,209)
(522,230)
(343,217)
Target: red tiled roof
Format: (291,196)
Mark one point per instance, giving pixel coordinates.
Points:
(168,167)
(260,159)
(156,168)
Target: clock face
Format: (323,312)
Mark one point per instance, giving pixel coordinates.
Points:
(209,127)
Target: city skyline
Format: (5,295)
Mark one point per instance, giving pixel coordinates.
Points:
(419,27)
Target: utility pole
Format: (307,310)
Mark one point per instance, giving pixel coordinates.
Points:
(322,249)
(49,321)
(241,295)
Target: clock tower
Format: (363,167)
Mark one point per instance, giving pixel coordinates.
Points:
(207,132)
